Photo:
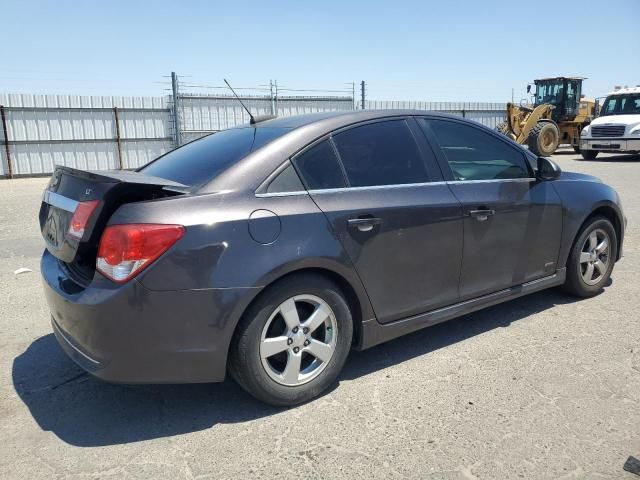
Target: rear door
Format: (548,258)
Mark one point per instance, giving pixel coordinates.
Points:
(382,192)
(512,221)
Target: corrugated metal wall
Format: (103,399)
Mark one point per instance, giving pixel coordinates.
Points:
(80,132)
(202,114)
(488,114)
(48,130)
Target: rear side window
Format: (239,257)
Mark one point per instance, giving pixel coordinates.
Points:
(319,167)
(476,155)
(198,162)
(383,153)
(286,181)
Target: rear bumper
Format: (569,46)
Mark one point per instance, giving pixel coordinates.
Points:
(611,144)
(129,334)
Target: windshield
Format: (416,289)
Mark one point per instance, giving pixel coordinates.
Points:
(549,92)
(198,162)
(621,105)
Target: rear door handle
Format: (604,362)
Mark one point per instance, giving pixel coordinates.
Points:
(481,215)
(364,224)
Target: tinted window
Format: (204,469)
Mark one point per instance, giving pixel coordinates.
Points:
(475,155)
(196,163)
(319,167)
(382,153)
(286,181)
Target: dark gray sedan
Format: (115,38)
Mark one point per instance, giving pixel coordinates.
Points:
(270,250)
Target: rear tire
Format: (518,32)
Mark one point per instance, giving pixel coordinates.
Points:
(543,139)
(592,258)
(276,350)
(589,154)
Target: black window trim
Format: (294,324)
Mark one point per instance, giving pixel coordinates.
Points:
(442,159)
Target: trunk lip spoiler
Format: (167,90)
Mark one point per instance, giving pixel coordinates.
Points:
(124,176)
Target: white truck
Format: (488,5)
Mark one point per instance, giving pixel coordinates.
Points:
(617,128)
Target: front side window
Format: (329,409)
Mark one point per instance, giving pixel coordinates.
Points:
(476,155)
(319,167)
(383,153)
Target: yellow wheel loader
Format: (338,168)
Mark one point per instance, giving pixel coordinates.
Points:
(558,114)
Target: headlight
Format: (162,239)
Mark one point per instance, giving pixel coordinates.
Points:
(585,131)
(636,132)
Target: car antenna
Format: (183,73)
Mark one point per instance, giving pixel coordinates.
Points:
(252,119)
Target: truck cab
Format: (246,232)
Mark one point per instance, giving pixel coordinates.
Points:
(617,128)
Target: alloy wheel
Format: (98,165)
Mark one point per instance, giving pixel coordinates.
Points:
(298,340)
(595,256)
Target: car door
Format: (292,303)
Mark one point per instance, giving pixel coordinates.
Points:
(513,222)
(382,192)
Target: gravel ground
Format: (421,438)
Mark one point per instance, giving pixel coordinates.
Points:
(540,387)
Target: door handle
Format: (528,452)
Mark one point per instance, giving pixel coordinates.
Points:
(364,224)
(481,215)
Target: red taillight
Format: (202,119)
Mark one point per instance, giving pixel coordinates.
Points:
(81,217)
(125,250)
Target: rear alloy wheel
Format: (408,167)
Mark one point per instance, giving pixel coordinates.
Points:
(543,139)
(298,340)
(592,258)
(293,341)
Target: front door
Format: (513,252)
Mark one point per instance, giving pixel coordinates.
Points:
(512,221)
(401,231)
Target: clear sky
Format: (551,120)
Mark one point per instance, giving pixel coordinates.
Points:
(442,50)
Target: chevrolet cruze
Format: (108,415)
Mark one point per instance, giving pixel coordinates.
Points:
(270,250)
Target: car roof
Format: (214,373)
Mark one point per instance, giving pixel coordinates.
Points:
(249,172)
(337,119)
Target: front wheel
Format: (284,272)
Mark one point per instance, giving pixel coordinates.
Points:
(592,258)
(292,343)
(589,154)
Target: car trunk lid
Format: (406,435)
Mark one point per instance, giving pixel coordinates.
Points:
(92,197)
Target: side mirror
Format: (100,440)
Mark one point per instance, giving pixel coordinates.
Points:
(529,88)
(547,169)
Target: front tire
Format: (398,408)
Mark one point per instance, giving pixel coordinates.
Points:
(589,154)
(592,257)
(292,343)
(543,139)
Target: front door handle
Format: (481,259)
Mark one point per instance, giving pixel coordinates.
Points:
(482,215)
(364,224)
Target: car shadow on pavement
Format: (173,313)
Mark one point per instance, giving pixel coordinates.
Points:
(88,412)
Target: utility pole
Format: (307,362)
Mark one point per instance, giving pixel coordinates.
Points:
(353,95)
(273,102)
(362,93)
(176,116)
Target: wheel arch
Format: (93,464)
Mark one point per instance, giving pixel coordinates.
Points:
(356,297)
(613,216)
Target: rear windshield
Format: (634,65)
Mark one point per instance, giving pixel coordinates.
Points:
(200,161)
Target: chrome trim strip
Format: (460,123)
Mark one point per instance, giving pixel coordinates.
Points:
(59,201)
(462,182)
(375,187)
(282,194)
(390,187)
